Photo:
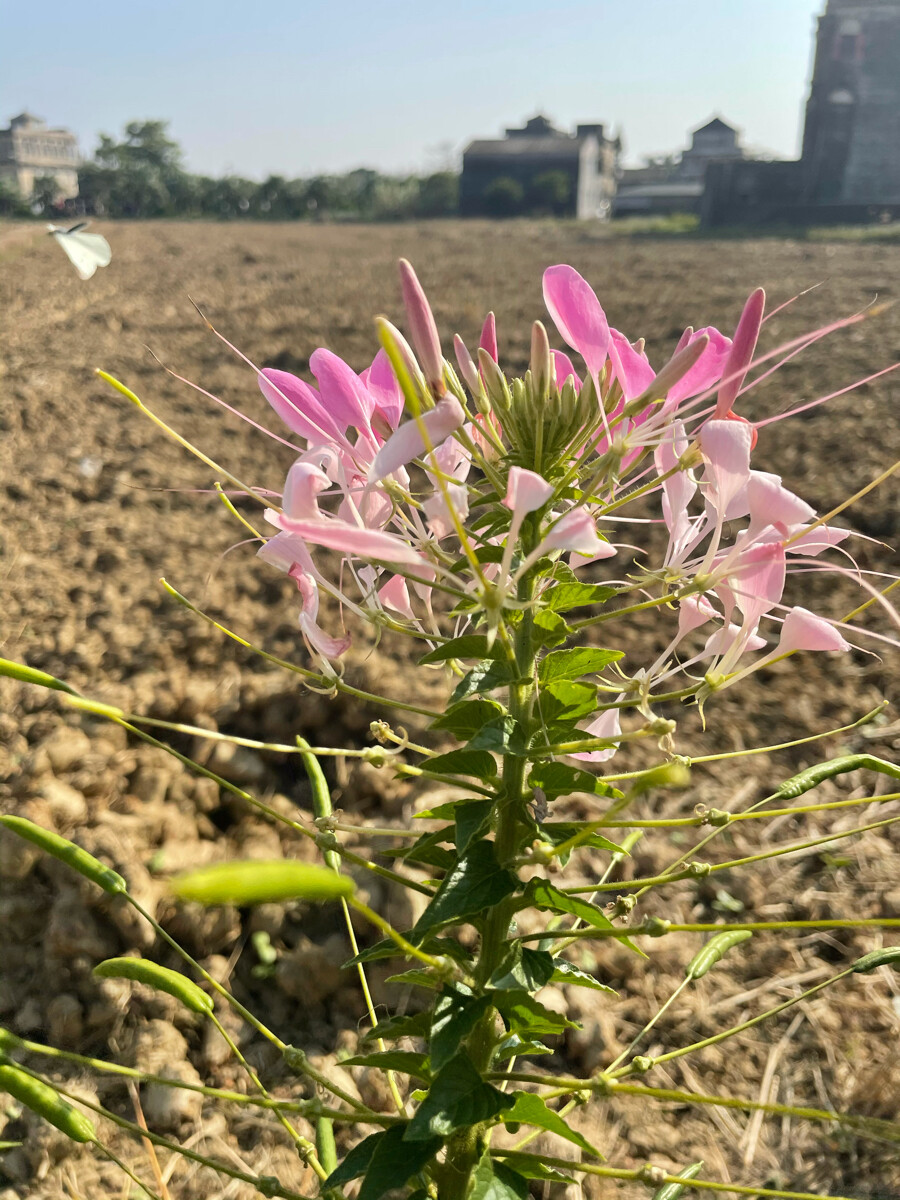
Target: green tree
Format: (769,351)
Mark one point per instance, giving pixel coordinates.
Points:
(439,195)
(550,192)
(504,197)
(45,195)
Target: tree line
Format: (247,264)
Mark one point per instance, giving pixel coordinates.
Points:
(143,175)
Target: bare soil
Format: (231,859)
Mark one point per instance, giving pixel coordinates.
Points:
(98,505)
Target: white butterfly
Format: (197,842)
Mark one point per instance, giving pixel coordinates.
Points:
(86,251)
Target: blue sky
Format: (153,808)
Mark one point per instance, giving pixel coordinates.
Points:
(296,88)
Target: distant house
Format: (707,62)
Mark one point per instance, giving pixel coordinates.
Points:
(676,184)
(30,151)
(541,169)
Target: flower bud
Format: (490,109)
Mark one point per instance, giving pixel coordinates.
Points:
(467,367)
(541,365)
(422,328)
(494,380)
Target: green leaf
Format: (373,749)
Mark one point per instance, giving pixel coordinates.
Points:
(576,595)
(406,1062)
(477,883)
(566,972)
(503,735)
(568,701)
(388,948)
(559,779)
(515,1046)
(472,645)
(550,629)
(543,895)
(471,821)
(465,719)
(487,676)
(531,1110)
(525,1015)
(557,832)
(428,849)
(458,1097)
(495,1181)
(531,1167)
(477,763)
(572,664)
(414,1025)
(417,977)
(454,1017)
(523,968)
(386,1160)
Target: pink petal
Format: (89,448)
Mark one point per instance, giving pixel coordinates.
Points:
(408,443)
(726,448)
(303,484)
(526,491)
(606,725)
(564,370)
(577,314)
(693,612)
(343,393)
(467,368)
(741,354)
(772,504)
(803,630)
(489,336)
(422,326)
(706,370)
(319,642)
(724,639)
(631,369)
(382,385)
(577,531)
(395,595)
(822,538)
(757,579)
(350,539)
(299,406)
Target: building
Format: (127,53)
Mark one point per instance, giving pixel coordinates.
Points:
(849,169)
(30,151)
(675,184)
(539,168)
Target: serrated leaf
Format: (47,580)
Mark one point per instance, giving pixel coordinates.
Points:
(386,1160)
(530,1109)
(486,676)
(543,895)
(406,1062)
(428,849)
(479,764)
(471,821)
(475,884)
(516,1046)
(471,645)
(566,972)
(495,1181)
(572,664)
(523,968)
(455,1016)
(502,735)
(457,1098)
(413,1025)
(525,1015)
(576,595)
(559,779)
(417,977)
(465,719)
(550,629)
(567,701)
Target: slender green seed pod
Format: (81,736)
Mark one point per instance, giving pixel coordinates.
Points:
(43,1100)
(672,1191)
(258,882)
(890,956)
(14,670)
(813,776)
(707,956)
(161,979)
(73,856)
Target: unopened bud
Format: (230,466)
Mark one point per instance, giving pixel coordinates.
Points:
(641,1064)
(422,327)
(674,370)
(467,367)
(494,380)
(541,365)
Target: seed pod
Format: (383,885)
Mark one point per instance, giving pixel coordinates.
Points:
(707,956)
(672,1191)
(257,882)
(14,670)
(43,1100)
(890,956)
(161,979)
(813,776)
(73,856)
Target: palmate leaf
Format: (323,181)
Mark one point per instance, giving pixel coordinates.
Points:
(524,1015)
(471,645)
(496,1181)
(502,735)
(458,1097)
(531,1167)
(388,948)
(470,889)
(487,676)
(559,779)
(454,1017)
(576,595)
(413,1025)
(543,895)
(523,968)
(572,664)
(479,764)
(407,1062)
(465,719)
(567,700)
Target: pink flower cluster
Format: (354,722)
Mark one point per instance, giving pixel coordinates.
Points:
(402,462)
